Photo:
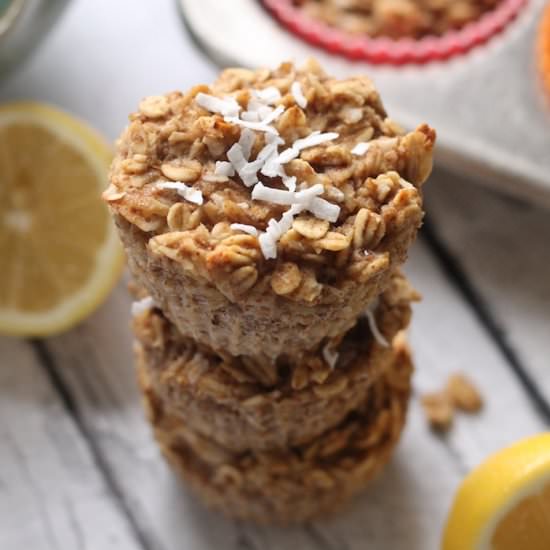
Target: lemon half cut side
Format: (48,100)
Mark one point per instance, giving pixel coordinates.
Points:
(504,504)
(59,252)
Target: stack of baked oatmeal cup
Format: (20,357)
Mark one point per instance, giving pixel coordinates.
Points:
(265,218)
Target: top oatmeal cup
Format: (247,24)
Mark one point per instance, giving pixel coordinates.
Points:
(265,212)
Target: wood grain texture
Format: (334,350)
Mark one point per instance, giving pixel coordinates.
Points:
(503,247)
(52,495)
(404,509)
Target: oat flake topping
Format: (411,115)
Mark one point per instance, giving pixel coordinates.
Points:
(259,117)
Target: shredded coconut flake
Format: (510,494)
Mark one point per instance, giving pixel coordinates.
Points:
(236,156)
(259,116)
(259,126)
(324,210)
(379,337)
(143,305)
(273,115)
(308,199)
(275,229)
(276,196)
(250,229)
(299,97)
(268,246)
(190,194)
(250,116)
(290,182)
(224,168)
(330,356)
(360,149)
(315,138)
(287,155)
(305,196)
(246,141)
(226,107)
(268,95)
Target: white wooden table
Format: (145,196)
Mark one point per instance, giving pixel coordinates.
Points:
(78,467)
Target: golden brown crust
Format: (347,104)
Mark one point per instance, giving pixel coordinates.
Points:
(260,403)
(299,483)
(397,18)
(261,322)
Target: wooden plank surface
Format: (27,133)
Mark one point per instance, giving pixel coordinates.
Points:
(404,509)
(503,248)
(52,495)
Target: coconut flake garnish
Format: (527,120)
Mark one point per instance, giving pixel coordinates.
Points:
(324,210)
(268,246)
(290,182)
(224,168)
(236,156)
(275,229)
(308,199)
(250,229)
(360,149)
(188,193)
(315,138)
(228,107)
(299,97)
(246,141)
(276,196)
(274,168)
(379,337)
(330,356)
(259,116)
(238,160)
(287,155)
(259,126)
(143,305)
(273,116)
(268,95)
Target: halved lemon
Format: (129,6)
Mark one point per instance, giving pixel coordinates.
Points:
(59,252)
(504,504)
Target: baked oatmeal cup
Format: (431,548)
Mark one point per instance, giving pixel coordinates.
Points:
(264,213)
(300,483)
(244,403)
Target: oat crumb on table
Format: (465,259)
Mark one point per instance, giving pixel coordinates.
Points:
(438,410)
(460,393)
(463,393)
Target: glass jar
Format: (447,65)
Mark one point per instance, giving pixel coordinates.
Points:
(23,23)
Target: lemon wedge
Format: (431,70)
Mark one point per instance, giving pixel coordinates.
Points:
(60,254)
(504,504)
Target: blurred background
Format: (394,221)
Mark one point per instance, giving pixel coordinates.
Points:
(78,468)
